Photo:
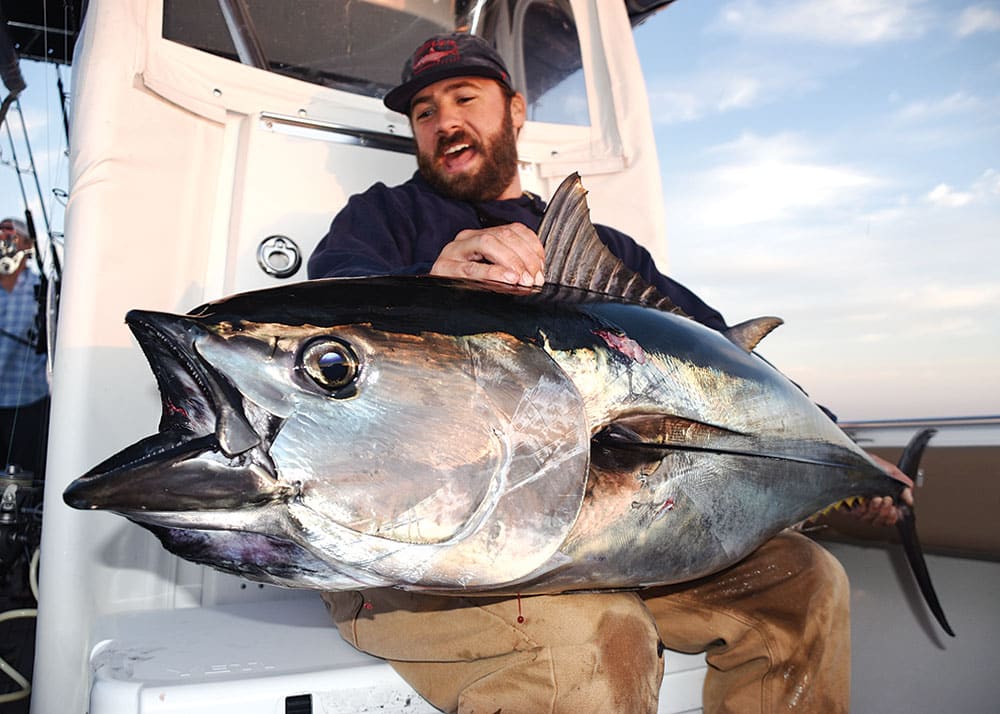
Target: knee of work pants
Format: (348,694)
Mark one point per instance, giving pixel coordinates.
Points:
(776,629)
(571,653)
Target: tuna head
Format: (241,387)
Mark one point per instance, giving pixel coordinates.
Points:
(281,446)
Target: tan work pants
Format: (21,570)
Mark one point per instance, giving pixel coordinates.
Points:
(775,627)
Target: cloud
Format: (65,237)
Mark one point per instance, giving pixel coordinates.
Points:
(762,179)
(739,93)
(730,84)
(836,22)
(677,105)
(985,188)
(957,103)
(774,189)
(977,18)
(942,305)
(945,195)
(953,297)
(988,185)
(674,106)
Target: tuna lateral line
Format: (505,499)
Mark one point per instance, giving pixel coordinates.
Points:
(611,441)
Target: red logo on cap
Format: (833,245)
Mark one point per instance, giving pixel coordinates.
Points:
(435,52)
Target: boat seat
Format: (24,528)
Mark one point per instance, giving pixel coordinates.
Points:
(269,657)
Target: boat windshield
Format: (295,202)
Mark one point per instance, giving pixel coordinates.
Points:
(359,46)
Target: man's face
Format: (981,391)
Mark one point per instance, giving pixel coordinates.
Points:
(12,238)
(466,133)
(12,247)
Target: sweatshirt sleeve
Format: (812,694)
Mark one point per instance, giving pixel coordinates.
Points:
(639,260)
(370,236)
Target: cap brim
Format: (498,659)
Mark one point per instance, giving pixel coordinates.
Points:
(399,98)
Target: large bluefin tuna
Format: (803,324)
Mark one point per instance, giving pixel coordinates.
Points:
(470,437)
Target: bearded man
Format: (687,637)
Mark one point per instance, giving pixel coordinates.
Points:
(464,213)
(775,626)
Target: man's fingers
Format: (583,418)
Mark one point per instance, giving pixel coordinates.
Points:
(512,253)
(474,270)
(513,246)
(877,511)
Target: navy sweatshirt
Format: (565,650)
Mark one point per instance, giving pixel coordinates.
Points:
(402,230)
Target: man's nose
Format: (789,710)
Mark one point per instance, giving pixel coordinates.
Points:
(449,118)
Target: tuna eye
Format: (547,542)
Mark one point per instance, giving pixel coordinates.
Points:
(331,364)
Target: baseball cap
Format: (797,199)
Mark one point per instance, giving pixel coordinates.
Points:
(17,225)
(456,54)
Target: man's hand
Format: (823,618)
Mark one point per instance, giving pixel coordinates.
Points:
(508,254)
(881,511)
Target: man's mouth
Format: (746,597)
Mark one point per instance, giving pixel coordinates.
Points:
(456,153)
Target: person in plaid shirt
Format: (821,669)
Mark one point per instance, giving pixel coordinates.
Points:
(24,387)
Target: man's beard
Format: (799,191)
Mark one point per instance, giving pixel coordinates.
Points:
(499,153)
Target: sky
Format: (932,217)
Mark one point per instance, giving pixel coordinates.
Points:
(832,162)
(837,163)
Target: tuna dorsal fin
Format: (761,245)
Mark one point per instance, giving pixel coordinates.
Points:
(576,257)
(749,334)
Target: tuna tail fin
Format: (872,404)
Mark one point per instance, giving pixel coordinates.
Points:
(907,526)
(575,256)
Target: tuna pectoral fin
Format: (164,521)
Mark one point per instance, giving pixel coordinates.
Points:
(909,463)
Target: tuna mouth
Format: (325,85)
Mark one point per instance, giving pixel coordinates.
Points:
(210,450)
(196,400)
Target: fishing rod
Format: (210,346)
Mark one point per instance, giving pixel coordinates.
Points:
(20,340)
(63,96)
(54,265)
